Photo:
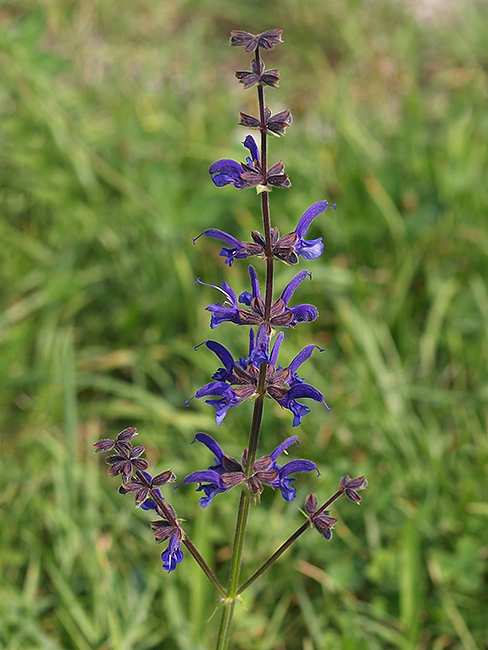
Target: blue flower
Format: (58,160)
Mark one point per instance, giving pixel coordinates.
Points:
(173,555)
(227,472)
(287,248)
(281,315)
(238,380)
(229,172)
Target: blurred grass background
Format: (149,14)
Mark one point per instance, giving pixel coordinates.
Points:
(110,114)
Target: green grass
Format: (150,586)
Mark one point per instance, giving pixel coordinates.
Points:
(110,114)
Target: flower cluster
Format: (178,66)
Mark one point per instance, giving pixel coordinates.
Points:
(280,314)
(239,379)
(258,375)
(227,472)
(145,489)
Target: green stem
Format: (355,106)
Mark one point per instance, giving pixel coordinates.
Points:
(241,525)
(286,545)
(243,513)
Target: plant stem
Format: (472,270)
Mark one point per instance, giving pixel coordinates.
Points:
(241,524)
(243,513)
(286,544)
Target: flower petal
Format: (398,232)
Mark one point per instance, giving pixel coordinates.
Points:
(221,236)
(309,215)
(301,357)
(250,143)
(172,556)
(303,314)
(273,357)
(204,476)
(211,444)
(226,172)
(281,448)
(293,285)
(295,466)
(223,354)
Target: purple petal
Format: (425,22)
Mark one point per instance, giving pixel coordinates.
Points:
(310,250)
(172,556)
(295,466)
(303,314)
(223,354)
(258,351)
(226,172)
(223,315)
(250,144)
(254,282)
(221,236)
(304,390)
(281,448)
(203,476)
(273,357)
(301,357)
(218,388)
(300,410)
(221,406)
(211,444)
(293,285)
(245,298)
(309,215)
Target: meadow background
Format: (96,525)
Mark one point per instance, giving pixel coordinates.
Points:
(110,114)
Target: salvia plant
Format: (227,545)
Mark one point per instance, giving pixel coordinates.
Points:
(255,377)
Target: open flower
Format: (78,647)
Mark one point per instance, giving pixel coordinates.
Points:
(287,248)
(229,172)
(281,315)
(238,380)
(173,555)
(248,174)
(227,472)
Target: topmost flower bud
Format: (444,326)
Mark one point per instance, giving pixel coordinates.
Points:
(251,42)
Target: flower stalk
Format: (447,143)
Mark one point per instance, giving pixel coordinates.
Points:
(256,376)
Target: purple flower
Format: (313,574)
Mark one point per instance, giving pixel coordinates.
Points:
(173,555)
(228,311)
(229,172)
(281,315)
(238,380)
(287,248)
(227,472)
